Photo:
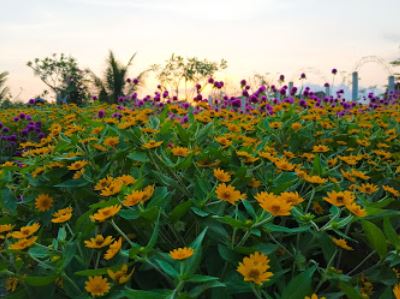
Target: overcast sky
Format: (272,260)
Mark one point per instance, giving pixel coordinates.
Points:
(274,36)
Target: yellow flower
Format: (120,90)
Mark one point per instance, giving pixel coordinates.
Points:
(284,165)
(254,268)
(180,151)
(23,243)
(43,202)
(340,198)
(78,174)
(396,291)
(133,199)
(296,126)
(148,192)
(114,188)
(254,183)
(105,213)
(332,162)
(126,179)
(228,193)
(314,296)
(342,243)
(5,228)
(111,141)
(273,204)
(78,165)
(275,125)
(181,253)
(356,209)
(121,276)
(222,175)
(314,179)
(98,242)
(292,198)
(225,142)
(114,248)
(62,215)
(11,284)
(152,144)
(359,174)
(26,231)
(103,183)
(391,190)
(320,149)
(97,286)
(318,209)
(368,188)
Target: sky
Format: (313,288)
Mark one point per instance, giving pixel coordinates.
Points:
(255,36)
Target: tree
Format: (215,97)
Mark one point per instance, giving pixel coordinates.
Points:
(179,71)
(114,84)
(63,76)
(4,90)
(396,63)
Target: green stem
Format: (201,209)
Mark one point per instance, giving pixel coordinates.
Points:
(362,262)
(121,233)
(66,277)
(256,292)
(177,289)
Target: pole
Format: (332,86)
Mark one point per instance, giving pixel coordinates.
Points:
(354,86)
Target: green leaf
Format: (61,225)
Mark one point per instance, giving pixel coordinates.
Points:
(198,290)
(284,181)
(391,233)
(38,252)
(40,280)
(375,237)
(199,212)
(92,272)
(139,294)
(299,286)
(180,210)
(167,267)
(129,214)
(191,264)
(277,228)
(138,156)
(73,184)
(202,278)
(349,291)
(8,200)
(317,169)
(154,235)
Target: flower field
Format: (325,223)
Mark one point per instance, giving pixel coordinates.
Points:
(285,198)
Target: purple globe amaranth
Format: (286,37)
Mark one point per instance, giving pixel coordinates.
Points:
(334,71)
(101,113)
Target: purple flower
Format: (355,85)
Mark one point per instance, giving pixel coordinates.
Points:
(282,78)
(334,71)
(302,76)
(101,113)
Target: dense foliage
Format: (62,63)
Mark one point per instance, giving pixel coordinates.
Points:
(242,198)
